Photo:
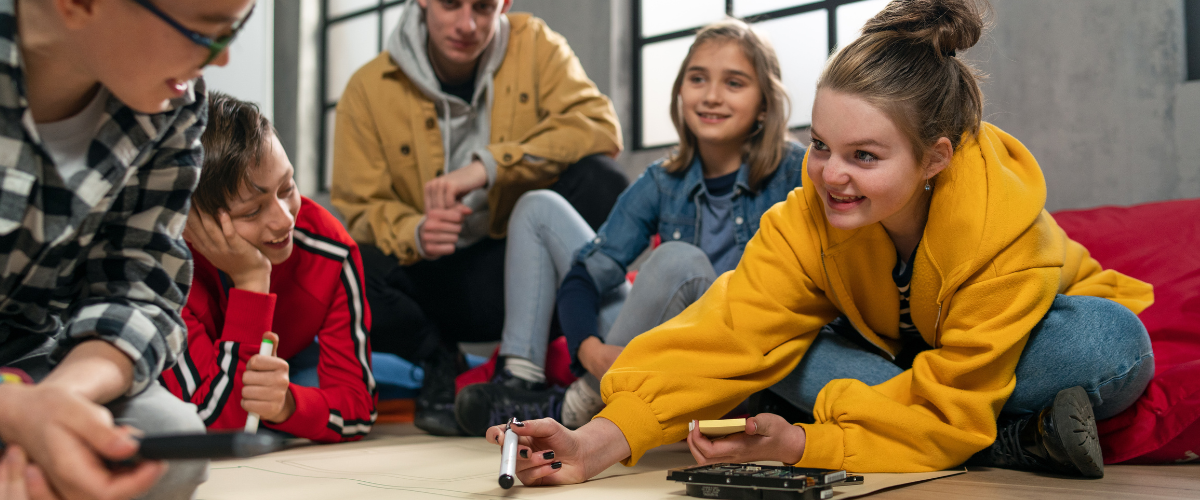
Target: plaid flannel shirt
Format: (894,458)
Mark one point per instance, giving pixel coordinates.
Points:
(99,255)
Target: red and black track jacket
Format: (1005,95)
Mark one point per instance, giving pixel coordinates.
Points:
(316,295)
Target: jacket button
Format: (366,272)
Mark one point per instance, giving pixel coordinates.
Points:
(501,139)
(404,149)
(676,235)
(507,157)
(738,221)
(524,97)
(430,122)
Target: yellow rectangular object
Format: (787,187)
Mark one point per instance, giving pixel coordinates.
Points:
(719,428)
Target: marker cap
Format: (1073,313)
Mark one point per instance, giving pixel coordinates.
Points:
(506,481)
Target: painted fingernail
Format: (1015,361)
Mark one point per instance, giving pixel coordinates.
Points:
(547,455)
(524,453)
(519,424)
(497,438)
(556,465)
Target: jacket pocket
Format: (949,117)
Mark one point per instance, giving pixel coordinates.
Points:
(674,231)
(15,186)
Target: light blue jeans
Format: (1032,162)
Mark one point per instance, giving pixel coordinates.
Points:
(1086,341)
(544,234)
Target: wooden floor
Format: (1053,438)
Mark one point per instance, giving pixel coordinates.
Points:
(1120,481)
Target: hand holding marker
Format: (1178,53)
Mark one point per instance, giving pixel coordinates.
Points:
(267,348)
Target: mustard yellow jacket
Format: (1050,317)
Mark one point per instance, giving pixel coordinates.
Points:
(388,142)
(988,268)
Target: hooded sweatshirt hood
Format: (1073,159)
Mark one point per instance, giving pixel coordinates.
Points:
(465,126)
(992,193)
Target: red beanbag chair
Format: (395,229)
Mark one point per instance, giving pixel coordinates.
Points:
(1158,243)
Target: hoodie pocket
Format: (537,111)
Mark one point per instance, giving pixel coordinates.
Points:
(15,186)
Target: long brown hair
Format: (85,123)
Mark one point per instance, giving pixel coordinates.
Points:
(764,149)
(906,64)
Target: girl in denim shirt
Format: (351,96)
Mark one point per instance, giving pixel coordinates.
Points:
(733,163)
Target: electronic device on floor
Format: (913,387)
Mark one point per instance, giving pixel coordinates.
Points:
(760,482)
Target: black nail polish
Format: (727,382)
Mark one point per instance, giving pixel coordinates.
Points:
(519,424)
(497,438)
(556,465)
(524,453)
(547,455)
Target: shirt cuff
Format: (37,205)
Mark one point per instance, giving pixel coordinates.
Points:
(824,446)
(248,316)
(637,422)
(309,419)
(489,164)
(417,238)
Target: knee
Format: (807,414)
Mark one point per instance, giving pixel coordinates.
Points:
(1113,329)
(536,202)
(676,259)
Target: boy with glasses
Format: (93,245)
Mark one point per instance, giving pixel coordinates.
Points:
(101,111)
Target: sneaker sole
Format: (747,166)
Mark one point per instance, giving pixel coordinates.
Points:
(1076,424)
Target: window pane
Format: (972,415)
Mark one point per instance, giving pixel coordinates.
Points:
(350,44)
(660,64)
(391,17)
(852,17)
(340,7)
(801,42)
(743,8)
(666,16)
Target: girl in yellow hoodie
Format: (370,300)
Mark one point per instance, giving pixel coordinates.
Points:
(967,322)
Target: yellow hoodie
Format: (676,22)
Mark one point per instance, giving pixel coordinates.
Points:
(989,265)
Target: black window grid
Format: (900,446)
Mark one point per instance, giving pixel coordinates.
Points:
(328,23)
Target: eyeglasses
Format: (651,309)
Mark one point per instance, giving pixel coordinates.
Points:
(214,46)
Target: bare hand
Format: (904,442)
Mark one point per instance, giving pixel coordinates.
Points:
(265,385)
(444,191)
(21,480)
(597,357)
(549,453)
(68,438)
(767,437)
(440,230)
(217,241)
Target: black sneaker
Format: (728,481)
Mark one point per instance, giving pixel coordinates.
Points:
(434,412)
(766,401)
(1061,439)
(480,406)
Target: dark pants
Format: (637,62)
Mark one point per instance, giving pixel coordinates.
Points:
(460,297)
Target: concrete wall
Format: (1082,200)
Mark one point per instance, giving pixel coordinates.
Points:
(1095,88)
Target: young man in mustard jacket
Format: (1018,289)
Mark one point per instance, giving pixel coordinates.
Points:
(467,108)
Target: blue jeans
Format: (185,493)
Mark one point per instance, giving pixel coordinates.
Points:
(544,234)
(1086,341)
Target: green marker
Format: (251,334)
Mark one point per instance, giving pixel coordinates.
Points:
(252,419)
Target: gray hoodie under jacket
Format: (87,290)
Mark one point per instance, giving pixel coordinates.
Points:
(466,127)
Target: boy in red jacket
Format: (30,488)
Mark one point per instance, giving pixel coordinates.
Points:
(270,264)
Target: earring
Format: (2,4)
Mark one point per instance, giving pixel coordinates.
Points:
(927,186)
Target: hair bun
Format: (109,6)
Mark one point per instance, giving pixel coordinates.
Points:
(946,25)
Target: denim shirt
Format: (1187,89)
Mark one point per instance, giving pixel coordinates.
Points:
(667,204)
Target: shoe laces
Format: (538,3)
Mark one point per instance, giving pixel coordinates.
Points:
(551,407)
(1007,450)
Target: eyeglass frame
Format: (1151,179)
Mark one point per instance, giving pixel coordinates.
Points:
(214,46)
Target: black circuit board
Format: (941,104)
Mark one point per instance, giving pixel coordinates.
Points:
(779,477)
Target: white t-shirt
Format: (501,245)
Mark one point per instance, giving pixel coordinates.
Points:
(67,140)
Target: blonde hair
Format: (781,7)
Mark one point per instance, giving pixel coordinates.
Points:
(764,148)
(905,63)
